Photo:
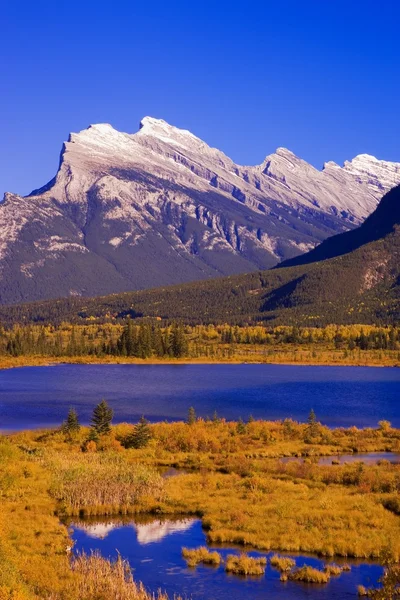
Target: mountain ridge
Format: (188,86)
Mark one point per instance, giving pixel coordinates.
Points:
(160,206)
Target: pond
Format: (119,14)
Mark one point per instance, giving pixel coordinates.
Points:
(368,458)
(153,548)
(341,396)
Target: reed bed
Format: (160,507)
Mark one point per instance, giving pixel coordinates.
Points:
(102,483)
(102,579)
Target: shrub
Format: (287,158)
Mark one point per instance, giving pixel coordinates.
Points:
(392,504)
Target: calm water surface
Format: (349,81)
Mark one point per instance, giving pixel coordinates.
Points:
(368,458)
(153,549)
(341,396)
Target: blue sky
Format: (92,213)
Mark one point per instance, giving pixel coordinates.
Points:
(317,76)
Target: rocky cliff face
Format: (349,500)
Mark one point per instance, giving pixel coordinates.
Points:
(160,206)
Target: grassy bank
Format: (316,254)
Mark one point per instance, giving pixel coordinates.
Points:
(233,478)
(372,358)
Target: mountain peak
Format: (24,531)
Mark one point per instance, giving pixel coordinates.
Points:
(161,130)
(282,151)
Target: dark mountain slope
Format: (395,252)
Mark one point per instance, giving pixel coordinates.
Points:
(380,223)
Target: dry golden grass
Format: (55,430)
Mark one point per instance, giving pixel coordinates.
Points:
(243,564)
(243,495)
(282,563)
(333,570)
(202,555)
(308,574)
(102,483)
(101,579)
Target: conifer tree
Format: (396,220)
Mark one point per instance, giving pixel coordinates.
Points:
(101,419)
(312,417)
(178,343)
(312,424)
(240,427)
(71,423)
(140,436)
(191,416)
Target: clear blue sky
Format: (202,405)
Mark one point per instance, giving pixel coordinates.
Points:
(317,76)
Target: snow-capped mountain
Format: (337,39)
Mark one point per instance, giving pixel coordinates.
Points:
(130,211)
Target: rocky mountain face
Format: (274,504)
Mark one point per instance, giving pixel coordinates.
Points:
(133,211)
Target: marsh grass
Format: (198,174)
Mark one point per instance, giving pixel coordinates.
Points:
(202,555)
(282,563)
(243,564)
(333,570)
(308,574)
(102,483)
(102,579)
(234,482)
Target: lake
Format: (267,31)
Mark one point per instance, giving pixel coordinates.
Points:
(341,396)
(153,549)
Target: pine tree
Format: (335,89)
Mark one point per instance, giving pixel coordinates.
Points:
(178,342)
(240,427)
(140,436)
(215,417)
(312,417)
(71,423)
(101,419)
(312,424)
(191,416)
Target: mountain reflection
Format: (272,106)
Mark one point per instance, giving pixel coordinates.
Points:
(146,532)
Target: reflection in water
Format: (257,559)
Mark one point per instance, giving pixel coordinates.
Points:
(153,548)
(146,533)
(369,458)
(156,531)
(98,530)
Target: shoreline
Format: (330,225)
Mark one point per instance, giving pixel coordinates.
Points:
(50,361)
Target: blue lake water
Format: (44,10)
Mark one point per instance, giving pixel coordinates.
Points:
(340,396)
(154,548)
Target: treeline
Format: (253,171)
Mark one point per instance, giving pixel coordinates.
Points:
(152,339)
(142,341)
(351,337)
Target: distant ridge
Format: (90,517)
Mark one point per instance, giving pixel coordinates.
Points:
(378,225)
